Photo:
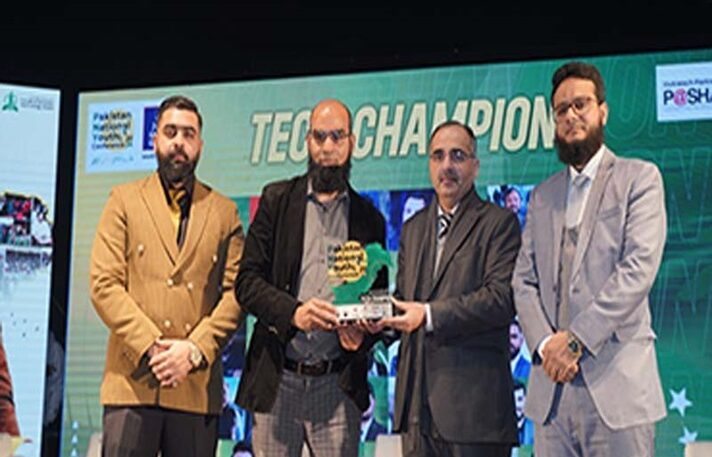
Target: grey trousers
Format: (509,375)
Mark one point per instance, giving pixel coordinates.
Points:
(312,411)
(574,429)
(142,431)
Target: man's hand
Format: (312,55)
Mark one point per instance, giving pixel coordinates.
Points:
(412,319)
(370,326)
(558,361)
(350,336)
(170,361)
(154,349)
(315,314)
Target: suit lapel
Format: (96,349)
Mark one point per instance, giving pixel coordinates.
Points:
(605,170)
(199,215)
(557,216)
(461,226)
(357,230)
(292,247)
(155,200)
(422,283)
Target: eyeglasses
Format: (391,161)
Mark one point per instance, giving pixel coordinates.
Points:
(580,105)
(456,155)
(320,136)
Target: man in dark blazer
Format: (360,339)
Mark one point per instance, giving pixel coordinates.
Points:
(305,375)
(454,386)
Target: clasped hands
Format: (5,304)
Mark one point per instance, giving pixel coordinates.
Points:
(559,363)
(169,360)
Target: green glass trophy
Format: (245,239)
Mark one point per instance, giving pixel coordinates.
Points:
(354,269)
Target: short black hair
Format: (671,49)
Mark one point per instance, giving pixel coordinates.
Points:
(580,70)
(454,123)
(506,191)
(179,102)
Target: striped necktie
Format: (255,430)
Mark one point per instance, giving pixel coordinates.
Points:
(444,221)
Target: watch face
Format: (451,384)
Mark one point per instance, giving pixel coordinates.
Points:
(195,356)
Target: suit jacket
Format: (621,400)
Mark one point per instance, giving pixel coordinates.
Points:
(144,287)
(268,285)
(8,419)
(463,364)
(620,245)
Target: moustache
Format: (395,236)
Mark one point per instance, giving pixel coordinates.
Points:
(450,175)
(178,153)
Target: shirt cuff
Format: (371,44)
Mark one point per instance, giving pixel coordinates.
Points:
(540,348)
(428,318)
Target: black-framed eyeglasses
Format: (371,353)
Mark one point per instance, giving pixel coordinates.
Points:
(457,155)
(580,105)
(336,136)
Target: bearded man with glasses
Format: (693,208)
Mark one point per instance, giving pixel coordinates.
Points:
(591,249)
(305,375)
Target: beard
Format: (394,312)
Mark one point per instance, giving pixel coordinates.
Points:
(578,153)
(176,173)
(327,179)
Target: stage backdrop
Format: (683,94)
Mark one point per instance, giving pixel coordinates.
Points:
(660,110)
(29,127)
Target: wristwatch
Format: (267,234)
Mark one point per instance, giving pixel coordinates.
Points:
(575,346)
(195,356)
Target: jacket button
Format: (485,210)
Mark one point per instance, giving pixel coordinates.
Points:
(170,282)
(215,258)
(190,286)
(187,327)
(140,248)
(167,323)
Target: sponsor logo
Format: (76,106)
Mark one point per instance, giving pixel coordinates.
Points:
(120,136)
(684,92)
(150,123)
(14,103)
(9,102)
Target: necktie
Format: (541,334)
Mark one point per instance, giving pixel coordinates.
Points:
(575,200)
(177,196)
(444,221)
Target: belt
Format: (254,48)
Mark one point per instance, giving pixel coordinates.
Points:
(314,369)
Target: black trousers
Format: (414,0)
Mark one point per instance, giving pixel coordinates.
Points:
(415,443)
(142,431)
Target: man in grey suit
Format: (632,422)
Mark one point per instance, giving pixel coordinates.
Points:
(455,262)
(590,252)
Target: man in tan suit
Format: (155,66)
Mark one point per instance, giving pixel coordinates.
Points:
(163,264)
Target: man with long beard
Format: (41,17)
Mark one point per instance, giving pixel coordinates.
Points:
(163,265)
(305,375)
(590,252)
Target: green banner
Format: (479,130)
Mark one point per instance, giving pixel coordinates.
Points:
(254,133)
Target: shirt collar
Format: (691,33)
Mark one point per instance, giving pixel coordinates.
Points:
(190,186)
(311,195)
(441,211)
(591,167)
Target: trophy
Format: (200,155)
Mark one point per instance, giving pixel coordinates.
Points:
(355,269)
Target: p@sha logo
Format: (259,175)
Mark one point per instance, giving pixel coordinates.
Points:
(689,96)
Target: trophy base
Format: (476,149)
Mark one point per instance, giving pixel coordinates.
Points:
(352,313)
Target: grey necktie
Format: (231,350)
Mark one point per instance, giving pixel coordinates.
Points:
(575,200)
